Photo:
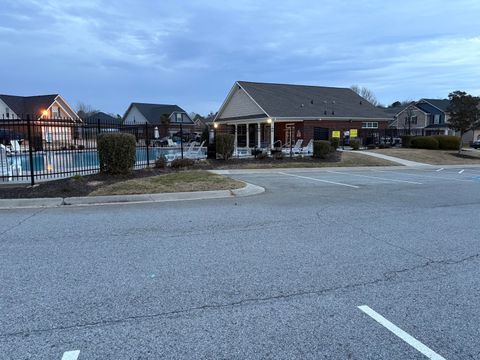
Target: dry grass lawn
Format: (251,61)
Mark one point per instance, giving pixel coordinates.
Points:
(433,157)
(183,181)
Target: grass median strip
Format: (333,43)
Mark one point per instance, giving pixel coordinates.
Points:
(183,181)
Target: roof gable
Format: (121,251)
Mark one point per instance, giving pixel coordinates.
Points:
(440,104)
(303,101)
(154,112)
(29,105)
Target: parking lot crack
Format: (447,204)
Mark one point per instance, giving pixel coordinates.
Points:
(22,221)
(386,277)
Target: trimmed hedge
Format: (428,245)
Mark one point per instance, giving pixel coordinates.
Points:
(447,142)
(355,144)
(161,162)
(425,142)
(225,144)
(321,148)
(116,152)
(407,141)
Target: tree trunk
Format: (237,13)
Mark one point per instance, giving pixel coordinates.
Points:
(461,143)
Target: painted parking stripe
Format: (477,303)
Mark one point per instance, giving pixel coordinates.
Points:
(71,355)
(375,177)
(439,170)
(410,340)
(425,176)
(461,171)
(319,180)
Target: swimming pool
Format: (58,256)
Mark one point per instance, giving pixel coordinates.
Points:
(81,160)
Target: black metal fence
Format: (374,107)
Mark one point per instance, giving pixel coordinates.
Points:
(37,149)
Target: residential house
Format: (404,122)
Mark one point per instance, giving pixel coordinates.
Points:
(201,122)
(165,118)
(424,117)
(266,114)
(51,116)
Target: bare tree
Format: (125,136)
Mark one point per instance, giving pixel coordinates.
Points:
(85,110)
(367,94)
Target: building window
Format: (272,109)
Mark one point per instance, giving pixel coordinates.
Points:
(7,112)
(436,119)
(55,112)
(370,125)
(414,120)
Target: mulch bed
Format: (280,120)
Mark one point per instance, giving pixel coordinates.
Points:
(76,186)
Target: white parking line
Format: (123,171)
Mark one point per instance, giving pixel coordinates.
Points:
(425,176)
(375,177)
(410,340)
(324,181)
(71,355)
(439,169)
(461,171)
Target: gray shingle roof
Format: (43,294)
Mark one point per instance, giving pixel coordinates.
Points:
(28,105)
(101,117)
(153,112)
(441,104)
(285,100)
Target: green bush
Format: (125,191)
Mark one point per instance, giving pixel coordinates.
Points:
(256,152)
(355,144)
(116,153)
(425,142)
(384,146)
(182,163)
(335,143)
(371,146)
(225,144)
(321,148)
(278,155)
(447,142)
(161,162)
(407,141)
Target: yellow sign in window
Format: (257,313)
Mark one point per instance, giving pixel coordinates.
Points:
(353,133)
(336,134)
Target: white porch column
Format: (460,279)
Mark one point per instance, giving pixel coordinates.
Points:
(236,137)
(259,135)
(248,135)
(272,134)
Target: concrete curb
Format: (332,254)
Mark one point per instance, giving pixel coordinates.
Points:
(248,190)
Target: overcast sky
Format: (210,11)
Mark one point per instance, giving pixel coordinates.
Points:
(110,53)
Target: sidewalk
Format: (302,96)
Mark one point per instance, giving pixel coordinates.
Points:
(35,203)
(391,158)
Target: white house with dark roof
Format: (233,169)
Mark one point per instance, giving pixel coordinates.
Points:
(47,112)
(265,114)
(162,115)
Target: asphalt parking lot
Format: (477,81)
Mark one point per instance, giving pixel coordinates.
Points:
(377,263)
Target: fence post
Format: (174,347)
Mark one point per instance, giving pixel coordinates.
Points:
(146,143)
(30,151)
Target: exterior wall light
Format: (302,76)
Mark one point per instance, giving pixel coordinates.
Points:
(269,121)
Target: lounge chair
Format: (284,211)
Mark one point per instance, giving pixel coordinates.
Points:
(296,149)
(171,143)
(307,149)
(195,154)
(5,168)
(15,146)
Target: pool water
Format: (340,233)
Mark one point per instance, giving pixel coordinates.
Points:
(64,161)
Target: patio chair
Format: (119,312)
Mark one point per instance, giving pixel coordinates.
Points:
(307,149)
(15,146)
(171,143)
(296,149)
(195,154)
(5,168)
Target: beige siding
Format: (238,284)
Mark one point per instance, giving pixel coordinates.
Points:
(134,117)
(240,104)
(422,120)
(3,111)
